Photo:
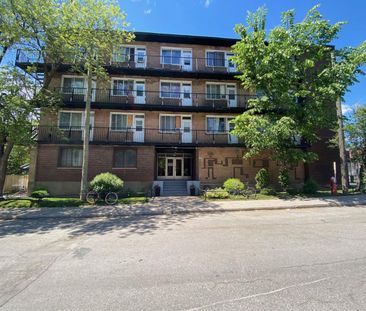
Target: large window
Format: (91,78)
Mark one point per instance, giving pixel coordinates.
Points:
(215,59)
(119,122)
(216,125)
(167,123)
(125,158)
(71,120)
(215,91)
(122,87)
(123,54)
(170,90)
(70,157)
(73,85)
(171,57)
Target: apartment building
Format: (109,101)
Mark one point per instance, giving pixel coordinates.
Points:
(163,117)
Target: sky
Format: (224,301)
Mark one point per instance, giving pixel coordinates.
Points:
(217,18)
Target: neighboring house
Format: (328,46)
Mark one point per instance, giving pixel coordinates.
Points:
(163,116)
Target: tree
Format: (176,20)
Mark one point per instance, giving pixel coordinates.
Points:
(355,130)
(18,157)
(298,77)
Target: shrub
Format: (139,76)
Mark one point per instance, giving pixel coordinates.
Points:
(262,179)
(40,193)
(268,191)
(233,184)
(106,182)
(310,187)
(217,193)
(293,191)
(284,179)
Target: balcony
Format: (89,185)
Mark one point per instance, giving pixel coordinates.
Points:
(136,136)
(154,100)
(149,64)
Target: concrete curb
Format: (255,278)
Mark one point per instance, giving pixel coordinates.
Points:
(121,214)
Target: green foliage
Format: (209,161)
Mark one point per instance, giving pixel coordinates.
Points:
(233,184)
(293,191)
(262,179)
(106,182)
(284,179)
(18,157)
(268,191)
(310,187)
(292,67)
(40,193)
(217,193)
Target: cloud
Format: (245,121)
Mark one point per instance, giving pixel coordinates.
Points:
(148,11)
(346,109)
(207,3)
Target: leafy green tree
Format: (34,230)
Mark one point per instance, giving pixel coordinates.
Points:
(19,156)
(298,77)
(284,179)
(262,179)
(355,130)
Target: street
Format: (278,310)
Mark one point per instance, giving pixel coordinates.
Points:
(309,259)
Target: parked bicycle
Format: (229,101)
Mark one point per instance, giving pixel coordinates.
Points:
(93,197)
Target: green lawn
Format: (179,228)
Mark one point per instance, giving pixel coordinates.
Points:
(60,202)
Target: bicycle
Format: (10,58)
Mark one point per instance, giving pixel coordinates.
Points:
(93,197)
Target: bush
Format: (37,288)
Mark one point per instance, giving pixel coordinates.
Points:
(293,191)
(268,191)
(106,182)
(284,179)
(310,187)
(40,193)
(217,193)
(233,184)
(262,179)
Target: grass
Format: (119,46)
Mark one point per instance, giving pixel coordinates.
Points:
(60,202)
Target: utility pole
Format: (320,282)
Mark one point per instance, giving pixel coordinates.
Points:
(342,148)
(84,169)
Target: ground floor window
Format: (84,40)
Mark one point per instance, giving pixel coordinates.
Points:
(70,157)
(125,158)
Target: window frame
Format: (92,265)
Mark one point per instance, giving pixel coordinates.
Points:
(122,149)
(59,159)
(227,125)
(215,51)
(72,77)
(70,126)
(225,94)
(171,56)
(181,83)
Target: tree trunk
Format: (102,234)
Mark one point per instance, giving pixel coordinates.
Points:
(84,169)
(342,149)
(4,157)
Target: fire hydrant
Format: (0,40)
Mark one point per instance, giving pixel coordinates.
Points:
(333,186)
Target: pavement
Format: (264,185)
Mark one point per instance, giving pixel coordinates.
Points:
(297,259)
(180,205)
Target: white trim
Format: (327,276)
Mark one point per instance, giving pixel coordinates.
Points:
(72,76)
(134,80)
(175,81)
(123,113)
(173,115)
(221,51)
(176,49)
(226,117)
(220,83)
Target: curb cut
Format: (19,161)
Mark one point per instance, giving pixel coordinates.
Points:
(169,212)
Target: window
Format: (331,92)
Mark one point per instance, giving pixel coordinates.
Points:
(167,123)
(73,85)
(125,158)
(123,54)
(70,157)
(170,90)
(140,55)
(119,122)
(215,91)
(122,87)
(69,120)
(216,125)
(171,57)
(215,59)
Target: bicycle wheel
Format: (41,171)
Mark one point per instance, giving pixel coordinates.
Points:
(92,197)
(111,198)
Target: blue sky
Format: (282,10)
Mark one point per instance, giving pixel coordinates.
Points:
(218,17)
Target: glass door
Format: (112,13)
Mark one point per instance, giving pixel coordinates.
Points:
(174,167)
(187,60)
(186,130)
(186,94)
(231,96)
(138,134)
(140,92)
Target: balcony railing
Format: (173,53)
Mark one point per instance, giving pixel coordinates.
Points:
(148,61)
(156,98)
(106,135)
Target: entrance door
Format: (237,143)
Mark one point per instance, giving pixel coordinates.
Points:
(231,96)
(174,167)
(140,92)
(187,94)
(186,130)
(138,132)
(233,139)
(187,60)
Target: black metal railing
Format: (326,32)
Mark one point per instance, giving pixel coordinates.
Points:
(108,135)
(147,61)
(162,98)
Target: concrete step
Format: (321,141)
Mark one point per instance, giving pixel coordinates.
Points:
(175,188)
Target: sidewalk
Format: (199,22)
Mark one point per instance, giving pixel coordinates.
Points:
(180,205)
